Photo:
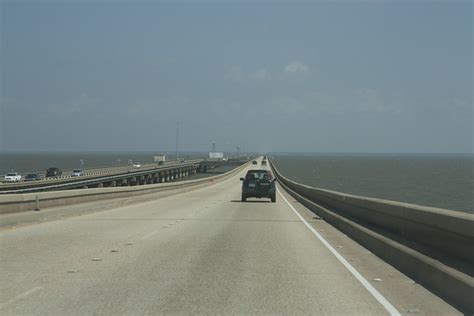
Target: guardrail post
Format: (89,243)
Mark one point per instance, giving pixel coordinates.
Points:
(37,208)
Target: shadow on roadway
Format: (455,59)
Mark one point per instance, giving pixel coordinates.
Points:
(253,201)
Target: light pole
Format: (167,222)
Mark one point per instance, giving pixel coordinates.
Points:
(177,140)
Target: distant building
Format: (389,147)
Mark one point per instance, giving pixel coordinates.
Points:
(159,157)
(216,155)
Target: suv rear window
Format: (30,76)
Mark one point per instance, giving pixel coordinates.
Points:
(259,175)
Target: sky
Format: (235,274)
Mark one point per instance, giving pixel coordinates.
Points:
(345,76)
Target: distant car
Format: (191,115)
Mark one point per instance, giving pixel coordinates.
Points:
(32,177)
(264,162)
(12,177)
(137,165)
(77,173)
(254,162)
(161,163)
(53,172)
(259,184)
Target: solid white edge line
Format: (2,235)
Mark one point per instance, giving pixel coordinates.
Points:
(376,294)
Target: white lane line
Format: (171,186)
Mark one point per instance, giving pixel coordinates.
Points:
(20,297)
(150,235)
(379,297)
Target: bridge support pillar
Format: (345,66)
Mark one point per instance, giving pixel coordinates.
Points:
(113,184)
(100,185)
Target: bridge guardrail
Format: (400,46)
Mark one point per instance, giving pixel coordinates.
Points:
(66,173)
(62,182)
(434,246)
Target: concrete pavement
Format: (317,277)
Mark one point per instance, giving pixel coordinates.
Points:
(199,251)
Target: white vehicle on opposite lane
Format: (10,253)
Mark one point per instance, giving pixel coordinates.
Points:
(12,177)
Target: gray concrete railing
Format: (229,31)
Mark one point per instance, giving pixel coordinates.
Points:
(11,203)
(68,181)
(432,245)
(90,172)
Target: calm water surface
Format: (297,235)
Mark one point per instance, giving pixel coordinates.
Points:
(444,181)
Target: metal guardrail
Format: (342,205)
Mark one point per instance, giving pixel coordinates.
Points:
(63,184)
(67,173)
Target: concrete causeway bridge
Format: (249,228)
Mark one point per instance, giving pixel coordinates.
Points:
(139,243)
(118,176)
(108,178)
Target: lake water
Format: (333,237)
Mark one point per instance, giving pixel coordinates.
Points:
(444,181)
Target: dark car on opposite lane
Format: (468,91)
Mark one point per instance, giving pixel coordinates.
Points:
(53,172)
(259,184)
(32,177)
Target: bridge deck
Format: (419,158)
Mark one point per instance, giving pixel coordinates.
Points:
(199,251)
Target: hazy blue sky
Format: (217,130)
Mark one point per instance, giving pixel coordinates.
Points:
(320,76)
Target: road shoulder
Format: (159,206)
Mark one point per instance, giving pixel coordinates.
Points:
(407,296)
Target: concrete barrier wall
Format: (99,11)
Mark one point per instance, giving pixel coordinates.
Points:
(433,246)
(10,203)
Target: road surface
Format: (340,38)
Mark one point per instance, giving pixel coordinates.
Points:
(199,251)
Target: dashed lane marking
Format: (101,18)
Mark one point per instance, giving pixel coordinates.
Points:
(150,235)
(20,297)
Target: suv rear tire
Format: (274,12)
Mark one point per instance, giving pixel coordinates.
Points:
(244,198)
(273,198)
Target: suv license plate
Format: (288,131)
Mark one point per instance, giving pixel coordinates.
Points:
(251,185)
